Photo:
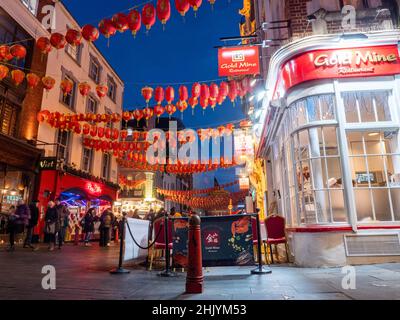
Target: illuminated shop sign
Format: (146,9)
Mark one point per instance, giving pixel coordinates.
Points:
(94,188)
(338,63)
(49,163)
(237,61)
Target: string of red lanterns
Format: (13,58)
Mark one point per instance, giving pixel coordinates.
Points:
(189,193)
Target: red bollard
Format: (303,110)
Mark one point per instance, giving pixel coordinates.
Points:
(194,277)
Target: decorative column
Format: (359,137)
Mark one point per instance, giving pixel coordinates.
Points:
(148,190)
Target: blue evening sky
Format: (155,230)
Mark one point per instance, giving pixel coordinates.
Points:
(183,52)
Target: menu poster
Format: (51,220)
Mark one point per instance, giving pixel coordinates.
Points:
(226,241)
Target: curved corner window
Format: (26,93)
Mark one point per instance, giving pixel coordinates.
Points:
(368,106)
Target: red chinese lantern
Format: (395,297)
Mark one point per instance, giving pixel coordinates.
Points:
(73,37)
(170,109)
(100,132)
(214,92)
(48,83)
(148,15)
(121,22)
(204,103)
(159,110)
(169,94)
(159,95)
(43,116)
(183,93)
(57,40)
(223,89)
(123,135)
(182,106)
(107,133)
(147,94)
(18,51)
(93,130)
(196,90)
(229,128)
(5,52)
(66,86)
(193,102)
(148,113)
(134,21)
(86,128)
(221,99)
(182,6)
(44,45)
(246,85)
(163,11)
(3,72)
(90,33)
(115,134)
(240,90)
(101,90)
(107,28)
(126,115)
(84,88)
(195,4)
(138,115)
(17,76)
(32,80)
(232,94)
(204,92)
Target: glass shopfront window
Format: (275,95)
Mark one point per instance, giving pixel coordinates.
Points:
(375,167)
(310,171)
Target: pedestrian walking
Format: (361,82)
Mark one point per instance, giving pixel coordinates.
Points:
(34,218)
(17,222)
(63,221)
(88,226)
(106,222)
(50,228)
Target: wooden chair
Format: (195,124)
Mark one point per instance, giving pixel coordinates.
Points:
(275,226)
(160,245)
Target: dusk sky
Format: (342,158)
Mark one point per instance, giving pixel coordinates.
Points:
(183,52)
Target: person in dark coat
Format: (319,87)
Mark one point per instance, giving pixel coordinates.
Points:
(63,221)
(51,219)
(34,211)
(88,225)
(17,222)
(106,222)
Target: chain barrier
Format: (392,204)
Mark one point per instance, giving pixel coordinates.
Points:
(134,240)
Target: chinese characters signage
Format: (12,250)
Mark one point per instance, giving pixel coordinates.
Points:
(226,241)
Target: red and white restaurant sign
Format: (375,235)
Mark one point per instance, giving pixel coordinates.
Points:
(238,61)
(338,63)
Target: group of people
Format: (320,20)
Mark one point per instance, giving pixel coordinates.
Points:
(23,218)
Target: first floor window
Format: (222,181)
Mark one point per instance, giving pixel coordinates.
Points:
(63,141)
(69,99)
(91,105)
(8,117)
(87,159)
(105,169)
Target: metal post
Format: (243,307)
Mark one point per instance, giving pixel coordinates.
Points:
(260,269)
(194,277)
(166,272)
(121,270)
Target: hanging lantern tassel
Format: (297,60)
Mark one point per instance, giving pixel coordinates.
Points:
(212,4)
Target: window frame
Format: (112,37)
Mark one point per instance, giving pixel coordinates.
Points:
(108,169)
(67,147)
(73,95)
(94,61)
(112,94)
(90,162)
(27,4)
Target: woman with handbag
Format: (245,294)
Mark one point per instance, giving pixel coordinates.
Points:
(50,228)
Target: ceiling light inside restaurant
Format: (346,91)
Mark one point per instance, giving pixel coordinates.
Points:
(253,82)
(373,134)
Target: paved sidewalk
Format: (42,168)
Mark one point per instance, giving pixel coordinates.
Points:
(82,273)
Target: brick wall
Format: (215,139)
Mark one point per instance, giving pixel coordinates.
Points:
(32,104)
(297,14)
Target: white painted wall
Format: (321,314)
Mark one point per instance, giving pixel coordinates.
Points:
(59,59)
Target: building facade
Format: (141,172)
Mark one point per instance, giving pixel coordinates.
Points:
(19,156)
(328,128)
(81,176)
